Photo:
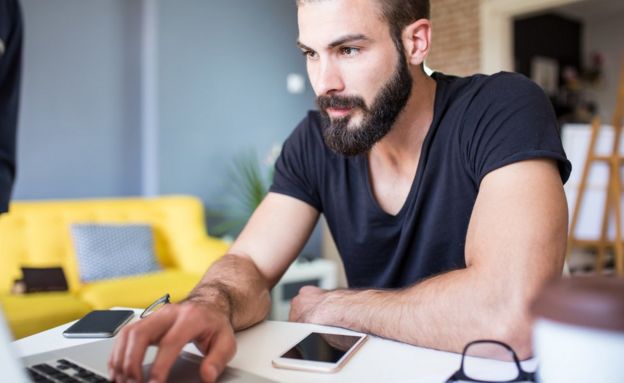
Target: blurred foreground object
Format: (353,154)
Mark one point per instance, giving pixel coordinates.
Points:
(578,333)
(10,71)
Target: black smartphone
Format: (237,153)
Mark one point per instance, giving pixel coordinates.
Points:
(99,324)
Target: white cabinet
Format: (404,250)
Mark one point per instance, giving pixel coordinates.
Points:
(319,272)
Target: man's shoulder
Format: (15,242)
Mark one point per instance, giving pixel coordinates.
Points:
(501,82)
(309,129)
(481,93)
(511,83)
(313,119)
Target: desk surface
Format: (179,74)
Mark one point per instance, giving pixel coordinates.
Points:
(379,360)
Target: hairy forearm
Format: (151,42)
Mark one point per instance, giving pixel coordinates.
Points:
(234,285)
(444,312)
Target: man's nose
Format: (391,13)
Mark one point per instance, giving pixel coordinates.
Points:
(329,78)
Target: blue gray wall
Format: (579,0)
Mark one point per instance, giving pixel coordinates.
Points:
(77,130)
(222,89)
(221,80)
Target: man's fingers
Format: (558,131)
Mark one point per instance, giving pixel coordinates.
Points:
(168,351)
(292,314)
(304,305)
(137,342)
(222,348)
(295,305)
(310,289)
(116,358)
(171,344)
(127,357)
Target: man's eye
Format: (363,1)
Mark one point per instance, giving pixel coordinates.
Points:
(349,51)
(309,54)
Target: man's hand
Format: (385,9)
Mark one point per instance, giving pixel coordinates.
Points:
(170,328)
(305,307)
(232,295)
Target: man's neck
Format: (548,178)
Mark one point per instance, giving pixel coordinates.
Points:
(401,147)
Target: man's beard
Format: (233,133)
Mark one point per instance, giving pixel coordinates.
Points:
(377,120)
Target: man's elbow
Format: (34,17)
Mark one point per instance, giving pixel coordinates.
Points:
(516,331)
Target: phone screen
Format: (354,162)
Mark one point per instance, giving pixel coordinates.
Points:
(319,347)
(100,323)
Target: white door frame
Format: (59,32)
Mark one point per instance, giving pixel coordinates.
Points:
(497,29)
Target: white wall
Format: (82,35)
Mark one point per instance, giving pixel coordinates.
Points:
(496,21)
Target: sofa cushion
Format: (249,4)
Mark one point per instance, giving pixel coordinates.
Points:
(139,291)
(41,279)
(115,250)
(32,313)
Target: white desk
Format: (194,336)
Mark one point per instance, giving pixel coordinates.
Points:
(379,360)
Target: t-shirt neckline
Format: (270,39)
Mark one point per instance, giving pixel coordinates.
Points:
(424,152)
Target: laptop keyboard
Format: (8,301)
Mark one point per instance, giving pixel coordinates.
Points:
(63,371)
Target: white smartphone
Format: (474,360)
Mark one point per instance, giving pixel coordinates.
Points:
(321,352)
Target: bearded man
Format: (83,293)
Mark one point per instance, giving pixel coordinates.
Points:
(444,196)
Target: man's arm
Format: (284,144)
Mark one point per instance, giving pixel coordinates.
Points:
(515,242)
(232,295)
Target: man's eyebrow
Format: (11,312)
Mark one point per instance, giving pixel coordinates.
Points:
(303,46)
(338,42)
(348,39)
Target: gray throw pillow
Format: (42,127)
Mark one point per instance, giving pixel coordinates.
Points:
(106,251)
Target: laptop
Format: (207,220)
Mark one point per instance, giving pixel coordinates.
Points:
(88,363)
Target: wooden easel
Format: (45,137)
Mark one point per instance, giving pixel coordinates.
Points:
(613,193)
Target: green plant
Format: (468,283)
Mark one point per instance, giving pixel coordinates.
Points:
(247,186)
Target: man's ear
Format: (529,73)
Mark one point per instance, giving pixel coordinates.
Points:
(417,41)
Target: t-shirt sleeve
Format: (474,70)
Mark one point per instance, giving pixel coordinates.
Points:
(299,164)
(509,120)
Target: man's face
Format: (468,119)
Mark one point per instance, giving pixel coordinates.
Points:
(359,76)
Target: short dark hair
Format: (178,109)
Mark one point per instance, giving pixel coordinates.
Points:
(401,13)
(398,14)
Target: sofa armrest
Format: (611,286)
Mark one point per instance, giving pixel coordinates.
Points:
(201,254)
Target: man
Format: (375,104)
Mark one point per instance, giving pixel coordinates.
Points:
(10,67)
(444,196)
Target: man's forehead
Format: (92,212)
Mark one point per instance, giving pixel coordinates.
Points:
(304,2)
(323,21)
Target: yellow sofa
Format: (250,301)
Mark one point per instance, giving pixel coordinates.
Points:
(37,234)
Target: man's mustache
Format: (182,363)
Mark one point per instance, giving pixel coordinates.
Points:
(340,102)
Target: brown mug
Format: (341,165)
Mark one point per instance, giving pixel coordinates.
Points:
(578,333)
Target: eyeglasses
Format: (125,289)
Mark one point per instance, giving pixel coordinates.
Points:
(155,306)
(476,368)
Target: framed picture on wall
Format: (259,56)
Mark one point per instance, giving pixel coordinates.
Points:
(545,73)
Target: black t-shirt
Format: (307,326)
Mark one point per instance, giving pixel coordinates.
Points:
(480,123)
(10,68)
